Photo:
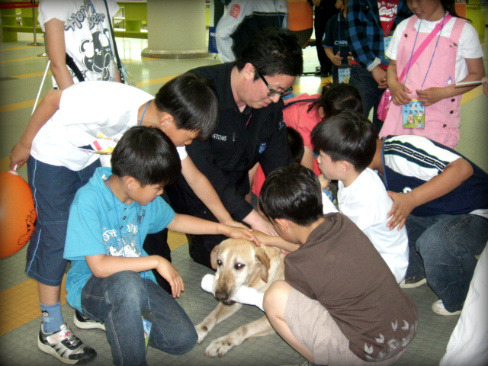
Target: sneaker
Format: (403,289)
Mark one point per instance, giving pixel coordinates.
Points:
(65,346)
(84,322)
(438,308)
(413,282)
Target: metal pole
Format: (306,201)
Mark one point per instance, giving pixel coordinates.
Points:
(34,21)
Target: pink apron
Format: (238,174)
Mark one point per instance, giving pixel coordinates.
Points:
(441,118)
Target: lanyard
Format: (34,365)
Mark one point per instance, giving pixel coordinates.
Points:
(122,239)
(144,112)
(433,53)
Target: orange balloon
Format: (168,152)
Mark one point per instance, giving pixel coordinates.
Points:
(17,213)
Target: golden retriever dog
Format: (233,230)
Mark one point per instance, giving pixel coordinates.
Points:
(239,262)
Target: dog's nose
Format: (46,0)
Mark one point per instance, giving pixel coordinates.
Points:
(221,295)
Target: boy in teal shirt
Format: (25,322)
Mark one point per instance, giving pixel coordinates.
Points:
(110,278)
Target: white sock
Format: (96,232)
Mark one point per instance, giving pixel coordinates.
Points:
(245,294)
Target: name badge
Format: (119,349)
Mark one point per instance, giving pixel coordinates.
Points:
(344,74)
(147,322)
(413,114)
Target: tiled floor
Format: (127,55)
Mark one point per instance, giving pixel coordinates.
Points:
(21,72)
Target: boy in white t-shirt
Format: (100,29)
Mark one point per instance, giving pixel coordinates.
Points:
(346,145)
(62,143)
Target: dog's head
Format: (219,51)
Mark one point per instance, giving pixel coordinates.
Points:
(237,262)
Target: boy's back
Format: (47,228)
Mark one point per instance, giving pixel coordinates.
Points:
(340,268)
(367,204)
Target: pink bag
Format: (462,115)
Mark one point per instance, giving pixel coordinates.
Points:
(384,104)
(386,98)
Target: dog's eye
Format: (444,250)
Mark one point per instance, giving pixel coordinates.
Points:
(239,266)
(219,262)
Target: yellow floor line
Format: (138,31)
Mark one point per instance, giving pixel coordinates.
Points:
(30,75)
(21,59)
(15,48)
(19,304)
(15,106)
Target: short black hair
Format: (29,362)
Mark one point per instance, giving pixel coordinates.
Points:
(273,51)
(336,98)
(295,141)
(346,136)
(192,101)
(292,193)
(148,155)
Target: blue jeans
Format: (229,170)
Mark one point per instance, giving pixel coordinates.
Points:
(362,79)
(53,188)
(120,299)
(443,248)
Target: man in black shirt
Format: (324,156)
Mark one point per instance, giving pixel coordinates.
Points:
(250,130)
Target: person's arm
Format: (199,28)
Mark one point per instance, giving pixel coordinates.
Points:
(45,110)
(398,90)
(275,241)
(56,52)
(359,44)
(308,158)
(452,177)
(104,265)
(259,222)
(233,16)
(206,192)
(476,70)
(193,225)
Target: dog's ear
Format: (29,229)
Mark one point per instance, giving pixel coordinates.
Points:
(263,258)
(213,257)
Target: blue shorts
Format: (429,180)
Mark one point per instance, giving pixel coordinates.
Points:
(54,188)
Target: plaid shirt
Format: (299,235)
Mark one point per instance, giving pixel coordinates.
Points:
(365,32)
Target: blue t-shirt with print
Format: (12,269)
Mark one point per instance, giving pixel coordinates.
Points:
(101,224)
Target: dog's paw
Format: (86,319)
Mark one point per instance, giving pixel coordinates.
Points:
(202,332)
(219,347)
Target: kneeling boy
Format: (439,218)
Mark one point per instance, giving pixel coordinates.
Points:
(340,303)
(110,278)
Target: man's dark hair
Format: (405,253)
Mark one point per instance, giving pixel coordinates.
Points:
(273,51)
(148,155)
(192,100)
(336,98)
(292,193)
(348,136)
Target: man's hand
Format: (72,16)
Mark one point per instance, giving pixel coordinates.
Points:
(337,59)
(403,205)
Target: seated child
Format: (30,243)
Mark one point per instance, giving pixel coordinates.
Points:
(346,144)
(110,279)
(339,303)
(442,199)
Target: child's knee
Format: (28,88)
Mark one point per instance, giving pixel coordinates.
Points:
(126,287)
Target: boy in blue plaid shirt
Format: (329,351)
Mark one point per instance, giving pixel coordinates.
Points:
(371,24)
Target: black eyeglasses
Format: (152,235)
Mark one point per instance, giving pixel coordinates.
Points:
(271,90)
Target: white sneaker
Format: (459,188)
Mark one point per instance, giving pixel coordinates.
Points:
(438,308)
(65,346)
